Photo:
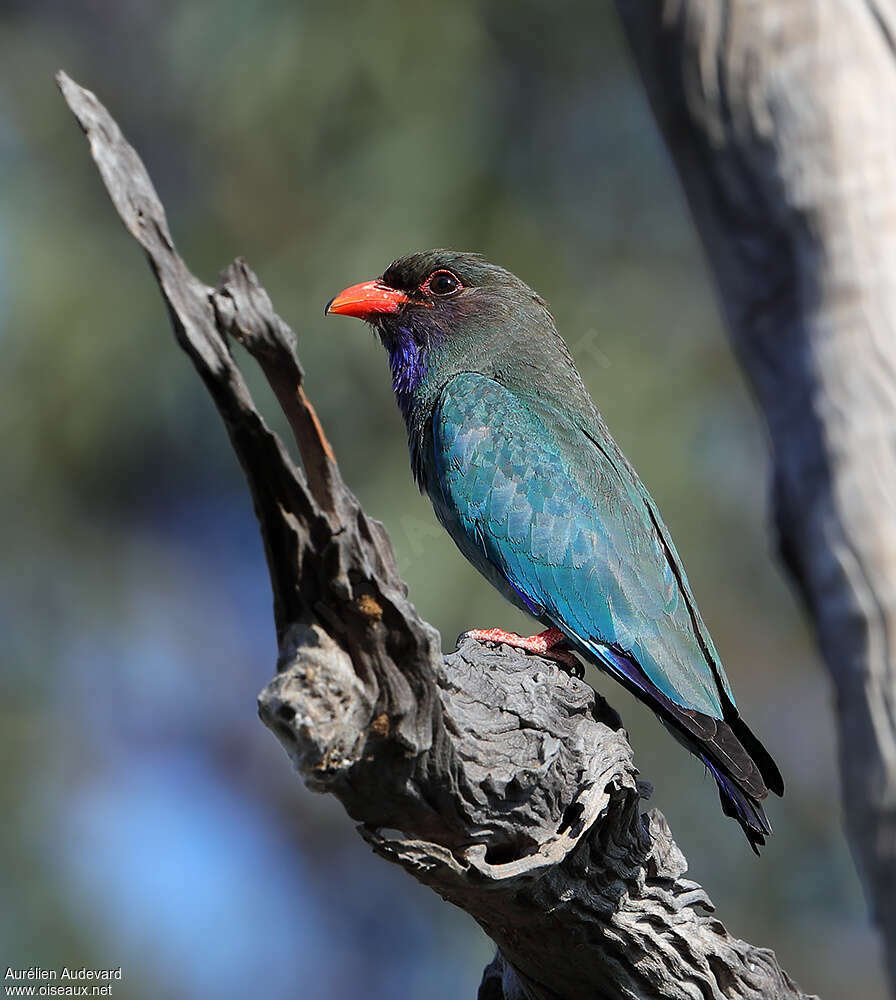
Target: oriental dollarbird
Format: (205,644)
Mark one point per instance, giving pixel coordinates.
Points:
(525,477)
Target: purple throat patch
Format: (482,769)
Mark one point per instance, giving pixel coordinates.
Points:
(407,363)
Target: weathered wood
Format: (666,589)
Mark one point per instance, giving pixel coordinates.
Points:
(500,782)
(780,119)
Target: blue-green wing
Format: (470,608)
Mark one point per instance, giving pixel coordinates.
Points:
(559,514)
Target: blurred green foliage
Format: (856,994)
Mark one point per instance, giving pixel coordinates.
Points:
(320,140)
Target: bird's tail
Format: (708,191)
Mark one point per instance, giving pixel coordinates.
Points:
(744,770)
(737,801)
(741,806)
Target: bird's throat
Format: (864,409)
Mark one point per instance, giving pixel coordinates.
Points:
(407,361)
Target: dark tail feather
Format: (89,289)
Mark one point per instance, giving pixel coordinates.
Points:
(737,804)
(761,757)
(743,768)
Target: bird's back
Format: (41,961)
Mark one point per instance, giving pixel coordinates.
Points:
(565,518)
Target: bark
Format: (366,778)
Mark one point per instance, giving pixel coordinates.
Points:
(779,117)
(502,783)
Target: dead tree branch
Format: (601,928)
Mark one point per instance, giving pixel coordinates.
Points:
(501,783)
(780,120)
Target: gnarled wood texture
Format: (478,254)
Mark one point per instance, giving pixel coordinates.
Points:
(505,785)
(780,118)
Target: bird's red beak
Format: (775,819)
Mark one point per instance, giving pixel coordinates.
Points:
(367,300)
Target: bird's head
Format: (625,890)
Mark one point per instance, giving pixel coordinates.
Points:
(441,312)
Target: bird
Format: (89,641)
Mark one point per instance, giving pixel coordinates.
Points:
(524,475)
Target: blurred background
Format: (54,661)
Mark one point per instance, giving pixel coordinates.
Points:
(149,820)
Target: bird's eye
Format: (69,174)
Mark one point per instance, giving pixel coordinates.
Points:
(442,283)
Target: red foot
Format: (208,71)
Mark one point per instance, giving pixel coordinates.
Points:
(551,643)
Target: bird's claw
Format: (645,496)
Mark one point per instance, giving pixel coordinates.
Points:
(550,644)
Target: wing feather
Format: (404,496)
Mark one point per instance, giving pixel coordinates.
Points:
(572,532)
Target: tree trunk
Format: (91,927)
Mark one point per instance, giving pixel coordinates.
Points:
(781,119)
(505,785)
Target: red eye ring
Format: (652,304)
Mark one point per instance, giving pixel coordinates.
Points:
(441,283)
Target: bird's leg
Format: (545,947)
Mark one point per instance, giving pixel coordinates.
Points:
(551,644)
